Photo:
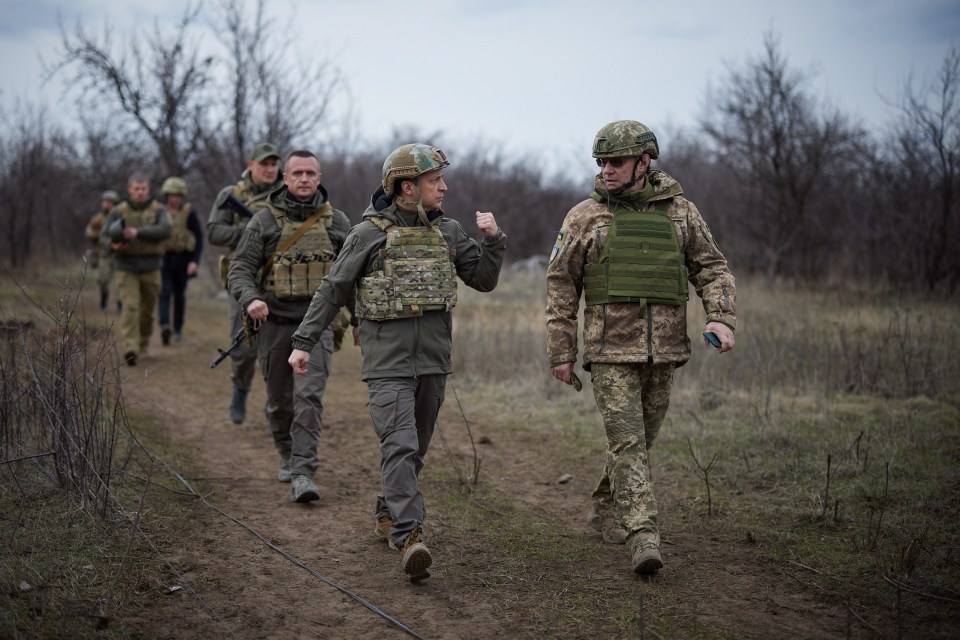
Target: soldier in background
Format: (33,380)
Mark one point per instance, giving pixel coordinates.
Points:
(631,248)
(283,254)
(404,245)
(224,227)
(136,230)
(98,256)
(182,258)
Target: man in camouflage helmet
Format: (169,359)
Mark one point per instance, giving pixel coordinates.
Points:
(182,258)
(283,254)
(136,230)
(224,227)
(98,256)
(400,264)
(631,248)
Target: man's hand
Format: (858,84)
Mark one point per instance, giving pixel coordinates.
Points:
(257,310)
(356,336)
(298,360)
(129,234)
(562,372)
(191,269)
(723,332)
(487,224)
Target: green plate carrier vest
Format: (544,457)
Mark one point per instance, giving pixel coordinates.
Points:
(640,262)
(297,270)
(141,218)
(418,275)
(182,239)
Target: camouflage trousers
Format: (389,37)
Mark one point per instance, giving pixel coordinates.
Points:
(138,293)
(633,400)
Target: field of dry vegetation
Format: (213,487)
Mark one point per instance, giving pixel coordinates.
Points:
(822,451)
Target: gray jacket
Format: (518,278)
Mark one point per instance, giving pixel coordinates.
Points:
(405,347)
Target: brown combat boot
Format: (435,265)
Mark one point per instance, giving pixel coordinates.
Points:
(612,532)
(416,557)
(382,529)
(646,560)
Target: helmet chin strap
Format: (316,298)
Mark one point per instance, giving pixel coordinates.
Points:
(633,180)
(421,213)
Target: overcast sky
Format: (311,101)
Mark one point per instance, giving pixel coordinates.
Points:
(540,76)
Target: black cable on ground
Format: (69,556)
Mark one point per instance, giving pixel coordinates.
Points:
(292,558)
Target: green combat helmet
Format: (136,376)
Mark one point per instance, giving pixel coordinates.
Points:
(625,138)
(115,230)
(174,185)
(110,195)
(410,161)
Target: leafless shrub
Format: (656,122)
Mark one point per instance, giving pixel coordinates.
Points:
(60,401)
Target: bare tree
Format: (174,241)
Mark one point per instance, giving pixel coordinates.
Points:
(928,162)
(273,91)
(37,161)
(159,82)
(780,144)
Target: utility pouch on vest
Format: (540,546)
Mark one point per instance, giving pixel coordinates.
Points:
(296,281)
(296,275)
(640,262)
(418,275)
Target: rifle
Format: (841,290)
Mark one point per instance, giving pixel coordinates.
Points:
(231,202)
(245,334)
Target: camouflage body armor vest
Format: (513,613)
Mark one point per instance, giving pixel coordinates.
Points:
(296,271)
(418,275)
(182,239)
(141,218)
(244,192)
(640,262)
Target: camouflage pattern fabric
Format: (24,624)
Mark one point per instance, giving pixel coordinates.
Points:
(633,401)
(417,276)
(296,272)
(181,238)
(632,332)
(139,217)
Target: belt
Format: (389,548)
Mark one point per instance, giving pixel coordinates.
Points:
(275,319)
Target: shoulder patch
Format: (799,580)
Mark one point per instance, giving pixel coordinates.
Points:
(558,243)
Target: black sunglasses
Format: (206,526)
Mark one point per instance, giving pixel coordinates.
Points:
(616,163)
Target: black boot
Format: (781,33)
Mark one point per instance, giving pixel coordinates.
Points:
(103,301)
(238,406)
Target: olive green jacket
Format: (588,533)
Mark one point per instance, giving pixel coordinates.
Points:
(405,347)
(224,225)
(632,332)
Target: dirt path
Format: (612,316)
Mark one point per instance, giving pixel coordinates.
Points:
(256,592)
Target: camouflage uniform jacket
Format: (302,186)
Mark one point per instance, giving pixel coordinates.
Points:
(224,225)
(153,235)
(92,231)
(259,241)
(405,347)
(631,332)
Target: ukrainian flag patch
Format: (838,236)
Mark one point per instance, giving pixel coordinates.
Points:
(556,246)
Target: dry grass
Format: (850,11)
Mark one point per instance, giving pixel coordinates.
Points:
(835,424)
(74,475)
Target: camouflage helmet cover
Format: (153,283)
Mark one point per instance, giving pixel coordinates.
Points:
(625,138)
(410,161)
(110,195)
(174,185)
